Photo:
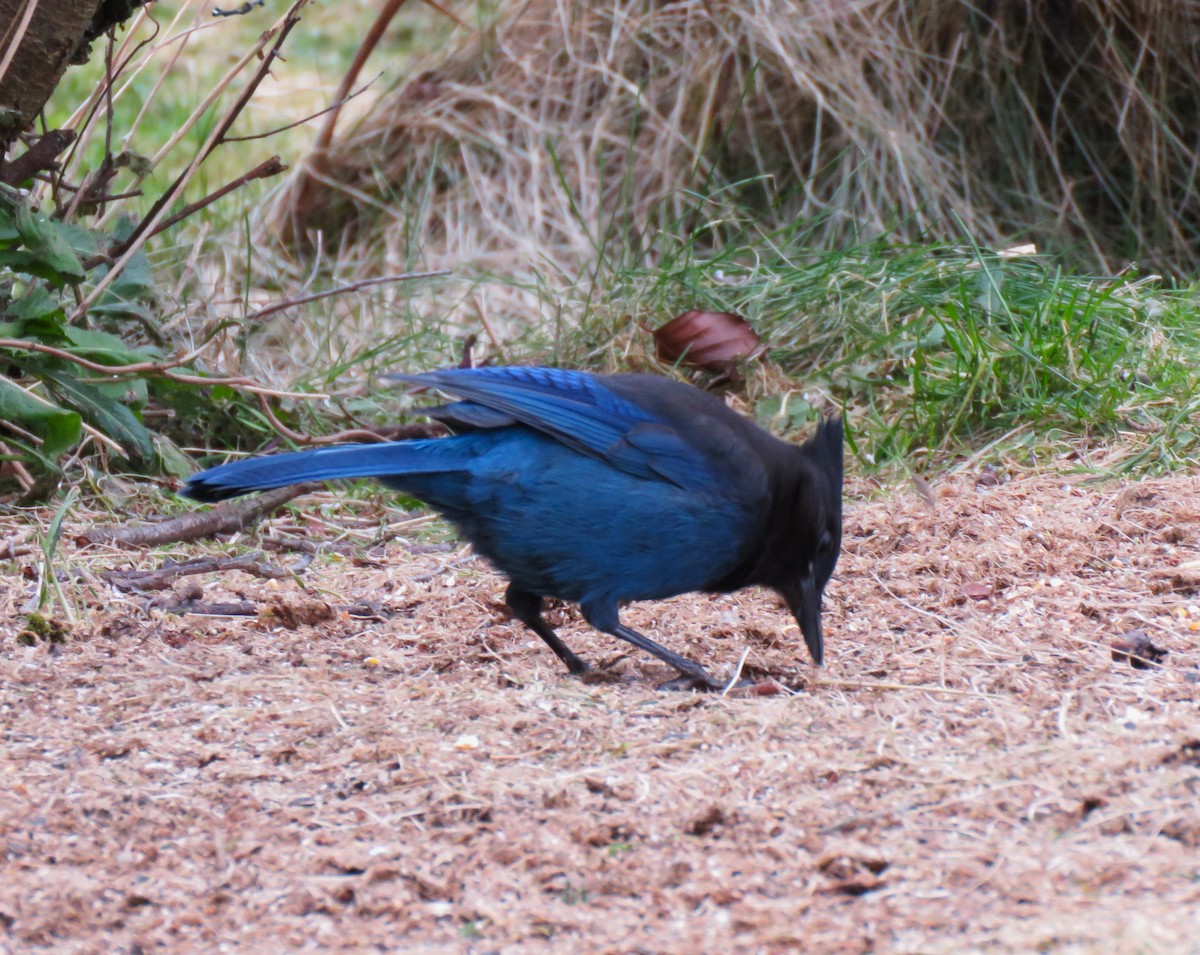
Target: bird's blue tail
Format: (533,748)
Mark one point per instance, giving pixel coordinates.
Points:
(390,459)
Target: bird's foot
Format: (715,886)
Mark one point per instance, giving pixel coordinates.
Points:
(603,672)
(704,682)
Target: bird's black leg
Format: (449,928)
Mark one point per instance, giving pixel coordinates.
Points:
(604,618)
(527,608)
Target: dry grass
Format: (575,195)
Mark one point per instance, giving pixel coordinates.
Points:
(967,775)
(518,151)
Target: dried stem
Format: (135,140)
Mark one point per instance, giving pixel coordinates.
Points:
(160,369)
(286,303)
(269,167)
(228,517)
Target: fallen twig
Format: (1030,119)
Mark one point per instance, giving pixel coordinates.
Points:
(226,518)
(11,548)
(364,610)
(394,433)
(916,687)
(238,608)
(304,546)
(164,576)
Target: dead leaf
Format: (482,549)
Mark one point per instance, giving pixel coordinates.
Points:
(1136,647)
(710,819)
(294,610)
(853,873)
(1188,754)
(708,340)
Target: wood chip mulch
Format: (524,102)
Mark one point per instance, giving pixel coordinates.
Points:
(980,767)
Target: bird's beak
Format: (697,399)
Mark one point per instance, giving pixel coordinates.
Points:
(804,601)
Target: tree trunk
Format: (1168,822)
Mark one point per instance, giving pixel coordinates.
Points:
(44,47)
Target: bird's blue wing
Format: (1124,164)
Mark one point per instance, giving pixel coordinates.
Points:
(577,409)
(470,414)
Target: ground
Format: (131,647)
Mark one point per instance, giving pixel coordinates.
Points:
(973,771)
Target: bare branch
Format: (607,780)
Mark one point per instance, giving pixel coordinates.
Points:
(300,122)
(349,287)
(269,167)
(162,577)
(397,433)
(159,369)
(226,518)
(42,156)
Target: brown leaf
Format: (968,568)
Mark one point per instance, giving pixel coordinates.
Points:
(1138,649)
(708,340)
(468,359)
(852,873)
(709,820)
(295,610)
(1188,754)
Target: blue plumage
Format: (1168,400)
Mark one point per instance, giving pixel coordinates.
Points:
(603,489)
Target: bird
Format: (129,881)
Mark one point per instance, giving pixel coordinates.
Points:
(601,490)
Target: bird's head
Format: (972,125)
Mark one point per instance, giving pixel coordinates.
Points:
(814,531)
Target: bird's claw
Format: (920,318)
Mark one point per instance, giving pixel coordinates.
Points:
(598,675)
(695,681)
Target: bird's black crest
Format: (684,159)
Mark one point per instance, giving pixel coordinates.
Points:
(826,448)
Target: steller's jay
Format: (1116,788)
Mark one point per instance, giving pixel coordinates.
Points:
(601,489)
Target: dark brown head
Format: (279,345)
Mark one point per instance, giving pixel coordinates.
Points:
(815,532)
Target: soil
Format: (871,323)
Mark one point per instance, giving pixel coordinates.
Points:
(368,755)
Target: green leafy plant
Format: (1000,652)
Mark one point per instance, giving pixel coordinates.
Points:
(86,356)
(52,387)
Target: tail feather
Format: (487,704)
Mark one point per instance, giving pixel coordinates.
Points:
(327,464)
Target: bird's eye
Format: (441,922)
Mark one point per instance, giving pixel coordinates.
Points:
(825,545)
